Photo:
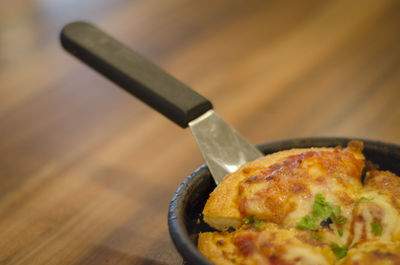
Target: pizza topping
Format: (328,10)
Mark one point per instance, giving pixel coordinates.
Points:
(376,228)
(245,243)
(258,223)
(321,208)
(339,251)
(315,236)
(324,212)
(326,223)
(250,220)
(307,222)
(363,199)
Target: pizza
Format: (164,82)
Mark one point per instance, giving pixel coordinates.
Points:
(305,206)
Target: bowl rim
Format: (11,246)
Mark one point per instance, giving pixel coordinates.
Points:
(176,211)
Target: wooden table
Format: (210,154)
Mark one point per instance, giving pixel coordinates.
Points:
(87,171)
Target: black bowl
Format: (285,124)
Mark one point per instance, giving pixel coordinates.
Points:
(184,217)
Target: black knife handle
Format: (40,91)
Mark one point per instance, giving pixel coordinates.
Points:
(134,73)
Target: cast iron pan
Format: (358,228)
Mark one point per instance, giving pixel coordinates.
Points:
(185,219)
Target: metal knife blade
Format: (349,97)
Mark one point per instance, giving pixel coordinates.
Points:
(222,147)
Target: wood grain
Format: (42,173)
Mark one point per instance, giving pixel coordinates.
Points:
(87,171)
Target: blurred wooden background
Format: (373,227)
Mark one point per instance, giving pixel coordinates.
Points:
(87,171)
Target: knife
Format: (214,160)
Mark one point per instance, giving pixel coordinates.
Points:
(223,149)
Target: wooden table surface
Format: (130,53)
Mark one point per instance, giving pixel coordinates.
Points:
(87,171)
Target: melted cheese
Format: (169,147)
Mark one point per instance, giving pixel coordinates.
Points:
(280,189)
(269,244)
(305,255)
(373,252)
(275,193)
(379,210)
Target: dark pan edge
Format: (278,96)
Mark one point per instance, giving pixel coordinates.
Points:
(176,216)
